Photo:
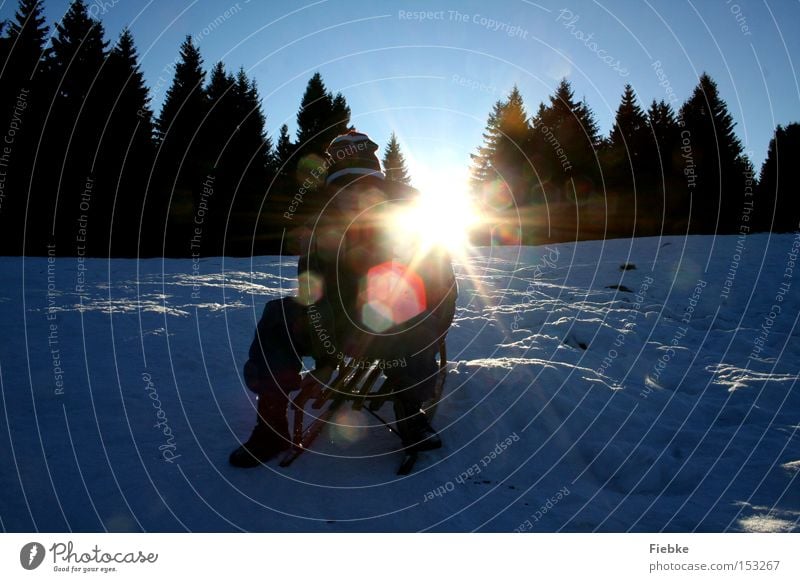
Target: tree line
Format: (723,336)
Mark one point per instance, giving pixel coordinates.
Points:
(551,176)
(90,170)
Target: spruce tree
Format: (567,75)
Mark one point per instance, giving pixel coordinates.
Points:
(24,99)
(629,132)
(720,166)
(322,116)
(564,147)
(183,164)
(26,43)
(777,206)
(283,151)
(313,116)
(564,143)
(503,156)
(481,172)
(75,130)
(394,163)
(666,178)
(629,187)
(125,160)
(253,151)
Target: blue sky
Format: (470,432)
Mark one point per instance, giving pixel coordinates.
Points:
(433,79)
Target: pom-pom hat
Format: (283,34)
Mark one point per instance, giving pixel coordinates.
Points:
(353,154)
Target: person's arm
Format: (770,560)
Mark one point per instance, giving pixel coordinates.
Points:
(319,313)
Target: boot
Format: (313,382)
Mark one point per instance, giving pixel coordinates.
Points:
(270,435)
(415,431)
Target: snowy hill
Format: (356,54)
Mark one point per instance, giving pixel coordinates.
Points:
(641,385)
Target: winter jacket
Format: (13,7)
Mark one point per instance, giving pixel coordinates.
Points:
(370,295)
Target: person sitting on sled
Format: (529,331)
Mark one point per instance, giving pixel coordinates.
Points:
(366,292)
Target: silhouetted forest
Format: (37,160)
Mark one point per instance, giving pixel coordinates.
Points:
(88,168)
(551,176)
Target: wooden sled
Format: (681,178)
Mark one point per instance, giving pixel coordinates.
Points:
(362,386)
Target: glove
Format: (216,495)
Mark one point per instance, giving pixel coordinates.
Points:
(317,377)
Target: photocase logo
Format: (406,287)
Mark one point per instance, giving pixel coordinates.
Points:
(31,555)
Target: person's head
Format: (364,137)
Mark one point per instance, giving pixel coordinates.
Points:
(352,156)
(354,169)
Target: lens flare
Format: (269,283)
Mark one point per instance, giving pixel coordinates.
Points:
(393,294)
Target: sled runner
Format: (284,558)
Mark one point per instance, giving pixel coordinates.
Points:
(360,386)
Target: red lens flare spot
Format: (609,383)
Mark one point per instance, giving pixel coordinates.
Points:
(393,294)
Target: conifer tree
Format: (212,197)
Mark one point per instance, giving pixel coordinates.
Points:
(629,187)
(777,206)
(24,94)
(481,171)
(283,151)
(564,145)
(629,132)
(125,159)
(714,161)
(75,129)
(26,43)
(182,163)
(394,163)
(322,116)
(671,202)
(503,155)
(253,150)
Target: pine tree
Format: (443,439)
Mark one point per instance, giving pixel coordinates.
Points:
(254,152)
(394,163)
(481,172)
(777,206)
(315,111)
(283,151)
(629,188)
(183,164)
(26,43)
(340,118)
(629,132)
(564,144)
(75,129)
(666,179)
(322,116)
(26,95)
(720,166)
(126,157)
(503,156)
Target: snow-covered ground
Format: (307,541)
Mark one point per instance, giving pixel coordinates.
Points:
(582,396)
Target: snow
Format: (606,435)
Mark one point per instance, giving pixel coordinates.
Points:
(581,396)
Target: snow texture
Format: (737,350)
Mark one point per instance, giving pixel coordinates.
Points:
(626,385)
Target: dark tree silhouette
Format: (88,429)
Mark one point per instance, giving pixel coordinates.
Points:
(182,164)
(629,186)
(394,163)
(565,142)
(502,158)
(74,131)
(23,103)
(777,204)
(126,156)
(670,209)
(714,162)
(283,152)
(564,148)
(322,116)
(252,165)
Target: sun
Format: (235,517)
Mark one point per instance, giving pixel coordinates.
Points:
(443,215)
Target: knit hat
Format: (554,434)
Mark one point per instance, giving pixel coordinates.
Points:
(353,154)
